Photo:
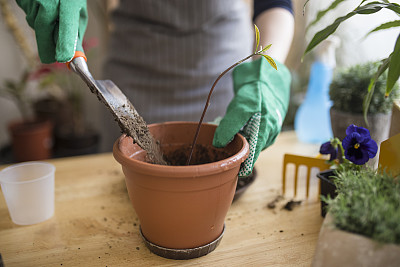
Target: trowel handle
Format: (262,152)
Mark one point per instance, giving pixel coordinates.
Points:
(77,54)
(79,66)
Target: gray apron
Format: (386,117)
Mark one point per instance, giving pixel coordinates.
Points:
(166,54)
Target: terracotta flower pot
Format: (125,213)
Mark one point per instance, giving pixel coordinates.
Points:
(182,208)
(31,140)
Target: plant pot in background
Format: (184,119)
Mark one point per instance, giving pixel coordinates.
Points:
(379,124)
(57,111)
(70,140)
(68,144)
(32,140)
(182,208)
(327,188)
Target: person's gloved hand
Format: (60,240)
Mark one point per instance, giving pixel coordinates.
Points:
(59,27)
(257,109)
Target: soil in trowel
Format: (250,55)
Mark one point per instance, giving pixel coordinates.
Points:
(136,127)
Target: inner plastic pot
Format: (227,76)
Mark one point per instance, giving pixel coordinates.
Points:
(181,207)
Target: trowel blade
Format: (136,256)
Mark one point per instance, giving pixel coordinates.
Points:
(121,108)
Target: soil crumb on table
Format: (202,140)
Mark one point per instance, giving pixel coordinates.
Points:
(290,205)
(272,204)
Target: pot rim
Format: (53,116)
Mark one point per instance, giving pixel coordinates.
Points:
(182,171)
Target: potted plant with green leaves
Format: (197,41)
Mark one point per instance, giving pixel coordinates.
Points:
(390,63)
(362,224)
(347,91)
(182,204)
(31,137)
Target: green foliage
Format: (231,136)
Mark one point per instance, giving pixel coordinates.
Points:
(366,7)
(16,91)
(262,50)
(368,203)
(348,89)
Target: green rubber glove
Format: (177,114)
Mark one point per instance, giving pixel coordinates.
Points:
(59,27)
(257,109)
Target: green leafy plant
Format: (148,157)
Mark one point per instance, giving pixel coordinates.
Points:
(391,63)
(16,90)
(368,200)
(347,90)
(368,203)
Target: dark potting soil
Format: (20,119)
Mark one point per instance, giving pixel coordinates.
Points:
(201,155)
(134,125)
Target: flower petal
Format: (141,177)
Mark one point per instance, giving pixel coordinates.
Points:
(355,129)
(371,148)
(326,148)
(364,132)
(357,156)
(351,129)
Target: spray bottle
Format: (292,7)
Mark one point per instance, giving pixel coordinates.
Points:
(312,121)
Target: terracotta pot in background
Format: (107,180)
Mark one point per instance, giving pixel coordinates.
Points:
(182,208)
(31,140)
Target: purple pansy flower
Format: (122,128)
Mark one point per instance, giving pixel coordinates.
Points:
(358,145)
(328,149)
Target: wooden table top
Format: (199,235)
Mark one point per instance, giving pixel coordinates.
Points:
(95,225)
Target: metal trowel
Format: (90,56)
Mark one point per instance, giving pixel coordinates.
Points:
(129,120)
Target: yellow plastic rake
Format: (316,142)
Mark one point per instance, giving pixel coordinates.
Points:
(308,162)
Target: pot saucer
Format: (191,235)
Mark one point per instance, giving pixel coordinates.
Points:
(244,183)
(182,254)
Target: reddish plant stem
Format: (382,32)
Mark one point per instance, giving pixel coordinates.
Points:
(208,103)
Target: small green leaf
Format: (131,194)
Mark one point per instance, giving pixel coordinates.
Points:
(394,7)
(257,37)
(371,87)
(368,8)
(325,33)
(266,48)
(271,61)
(322,13)
(394,67)
(384,26)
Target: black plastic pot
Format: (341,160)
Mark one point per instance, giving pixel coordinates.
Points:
(244,183)
(68,145)
(327,187)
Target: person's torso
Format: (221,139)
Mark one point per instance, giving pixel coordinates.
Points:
(166,54)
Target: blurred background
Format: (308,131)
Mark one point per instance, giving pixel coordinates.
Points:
(354,48)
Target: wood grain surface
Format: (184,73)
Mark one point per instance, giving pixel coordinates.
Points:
(95,225)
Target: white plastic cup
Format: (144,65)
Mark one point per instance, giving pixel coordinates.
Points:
(28,189)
